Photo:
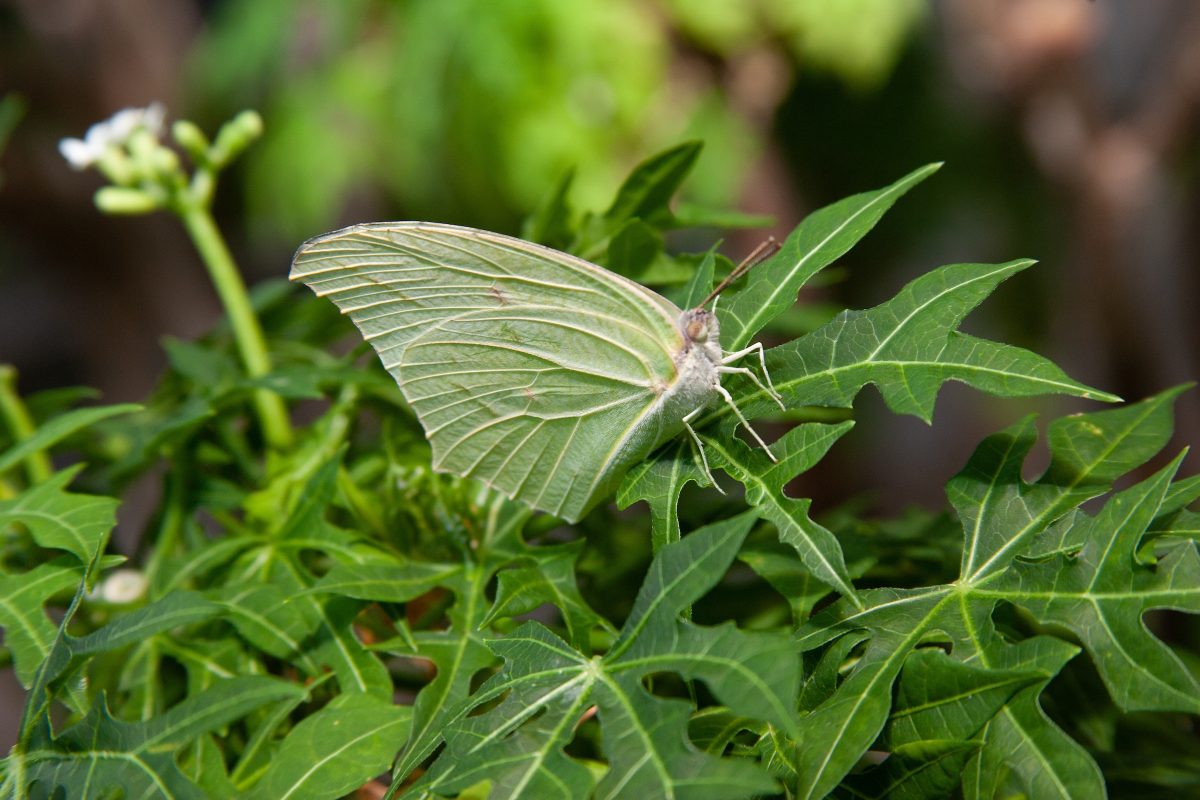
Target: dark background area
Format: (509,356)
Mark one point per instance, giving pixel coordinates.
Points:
(1069,129)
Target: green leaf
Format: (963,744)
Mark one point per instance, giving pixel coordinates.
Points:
(59,428)
(460,651)
(1005,517)
(203,763)
(157,431)
(713,729)
(908,347)
(171,611)
(28,632)
(797,451)
(839,730)
(333,643)
(263,616)
(518,745)
(67,652)
(261,743)
(550,223)
(546,685)
(633,249)
(939,698)
(205,366)
(458,655)
(701,284)
(1102,593)
(941,706)
(56,518)
(659,481)
(692,216)
(336,750)
(101,754)
(1022,749)
(646,192)
(681,575)
(391,584)
(550,580)
(823,237)
(926,769)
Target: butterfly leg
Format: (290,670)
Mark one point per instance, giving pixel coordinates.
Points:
(754,379)
(762,360)
(700,446)
(729,402)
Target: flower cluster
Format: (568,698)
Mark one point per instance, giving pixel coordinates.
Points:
(114,132)
(145,171)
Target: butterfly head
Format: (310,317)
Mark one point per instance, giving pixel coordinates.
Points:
(700,327)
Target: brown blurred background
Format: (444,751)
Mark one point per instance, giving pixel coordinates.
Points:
(1069,129)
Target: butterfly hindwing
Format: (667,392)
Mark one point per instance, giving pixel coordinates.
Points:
(529,369)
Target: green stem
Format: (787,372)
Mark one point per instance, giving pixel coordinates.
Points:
(170,527)
(20,424)
(251,343)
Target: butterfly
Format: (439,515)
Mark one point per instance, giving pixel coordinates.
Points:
(539,373)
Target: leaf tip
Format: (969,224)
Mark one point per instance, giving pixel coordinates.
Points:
(1169,394)
(919,174)
(1103,397)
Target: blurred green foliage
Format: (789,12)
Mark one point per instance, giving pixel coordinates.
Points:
(858,40)
(12,108)
(464,110)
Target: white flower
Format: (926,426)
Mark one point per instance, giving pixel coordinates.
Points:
(124,123)
(112,132)
(121,587)
(78,153)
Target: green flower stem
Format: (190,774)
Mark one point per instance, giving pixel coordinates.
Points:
(252,346)
(20,424)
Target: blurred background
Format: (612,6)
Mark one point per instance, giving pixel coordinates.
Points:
(1069,128)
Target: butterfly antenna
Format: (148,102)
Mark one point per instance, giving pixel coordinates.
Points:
(760,254)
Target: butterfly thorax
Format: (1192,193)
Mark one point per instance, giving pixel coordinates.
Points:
(696,363)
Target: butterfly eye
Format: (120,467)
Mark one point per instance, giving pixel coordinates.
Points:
(697,330)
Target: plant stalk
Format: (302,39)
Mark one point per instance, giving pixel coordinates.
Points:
(20,424)
(251,344)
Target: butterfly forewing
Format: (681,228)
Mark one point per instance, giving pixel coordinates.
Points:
(529,369)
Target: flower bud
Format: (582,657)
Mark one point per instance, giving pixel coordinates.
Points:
(115,164)
(191,139)
(122,200)
(234,137)
(165,161)
(142,144)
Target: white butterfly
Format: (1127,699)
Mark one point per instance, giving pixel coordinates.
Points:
(536,372)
